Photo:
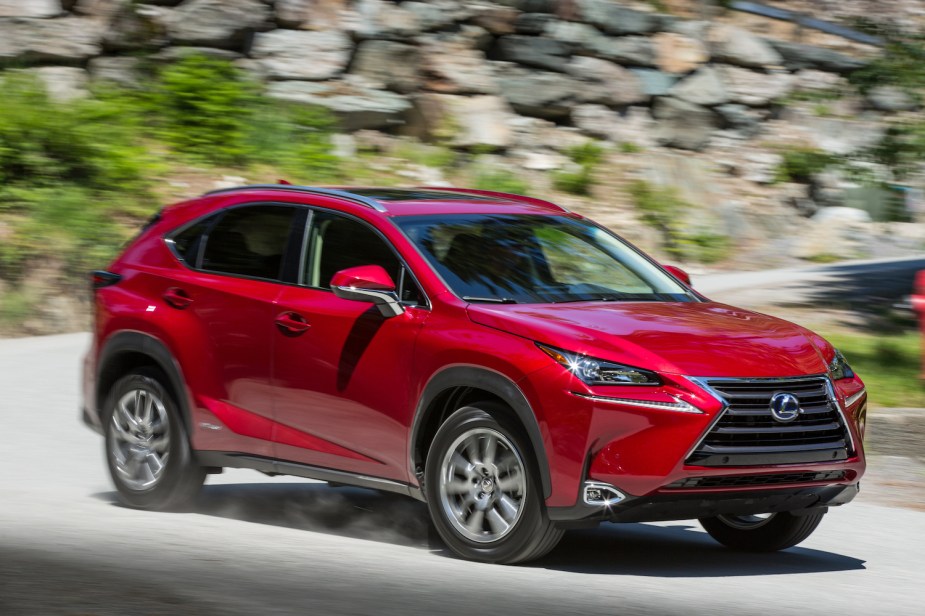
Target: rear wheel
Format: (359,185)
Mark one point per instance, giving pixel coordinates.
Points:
(762,533)
(147,449)
(482,488)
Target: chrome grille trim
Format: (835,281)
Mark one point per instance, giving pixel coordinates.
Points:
(728,402)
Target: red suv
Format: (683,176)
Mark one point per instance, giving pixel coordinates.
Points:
(516,366)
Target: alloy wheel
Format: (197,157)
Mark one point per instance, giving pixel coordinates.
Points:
(140,439)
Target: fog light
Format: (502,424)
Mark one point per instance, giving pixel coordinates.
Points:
(602,494)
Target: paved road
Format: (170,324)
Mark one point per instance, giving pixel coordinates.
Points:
(284,546)
(870,285)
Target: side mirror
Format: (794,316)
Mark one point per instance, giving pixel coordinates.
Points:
(680,274)
(368,283)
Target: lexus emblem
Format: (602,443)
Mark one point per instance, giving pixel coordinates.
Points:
(784,407)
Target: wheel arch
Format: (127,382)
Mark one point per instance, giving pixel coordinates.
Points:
(459,385)
(127,351)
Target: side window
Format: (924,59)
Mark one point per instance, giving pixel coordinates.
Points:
(249,241)
(188,243)
(337,242)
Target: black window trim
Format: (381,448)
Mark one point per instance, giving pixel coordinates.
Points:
(306,221)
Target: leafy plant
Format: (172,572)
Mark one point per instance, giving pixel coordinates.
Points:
(801,164)
(579,181)
(501,181)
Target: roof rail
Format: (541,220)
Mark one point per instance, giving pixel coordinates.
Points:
(312,190)
(495,193)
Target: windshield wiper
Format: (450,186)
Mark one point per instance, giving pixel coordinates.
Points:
(594,298)
(491,300)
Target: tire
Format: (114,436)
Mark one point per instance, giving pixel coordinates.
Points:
(779,531)
(482,488)
(146,445)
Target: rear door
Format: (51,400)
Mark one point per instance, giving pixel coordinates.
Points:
(342,384)
(237,262)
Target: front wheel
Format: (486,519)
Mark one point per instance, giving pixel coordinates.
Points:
(147,449)
(767,532)
(482,488)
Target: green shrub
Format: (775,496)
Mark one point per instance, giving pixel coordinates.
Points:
(501,181)
(588,154)
(801,164)
(575,182)
(628,147)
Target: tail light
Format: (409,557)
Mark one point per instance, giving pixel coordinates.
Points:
(100,279)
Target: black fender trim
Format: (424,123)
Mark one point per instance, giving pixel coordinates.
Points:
(496,384)
(137,342)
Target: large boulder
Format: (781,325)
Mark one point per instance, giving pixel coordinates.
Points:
(629,51)
(533,23)
(63,83)
(610,84)
(754,88)
(682,124)
(534,51)
(136,26)
(376,19)
(798,56)
(676,53)
(226,24)
(309,14)
(30,8)
(353,101)
(891,99)
(655,83)
(614,19)
(395,65)
(465,121)
(120,70)
(597,121)
(704,87)
(734,45)
(437,15)
(301,54)
(498,20)
(70,40)
(540,94)
(453,67)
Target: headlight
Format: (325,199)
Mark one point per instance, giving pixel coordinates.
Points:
(839,368)
(598,371)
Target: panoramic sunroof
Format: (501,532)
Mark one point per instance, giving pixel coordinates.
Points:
(411,194)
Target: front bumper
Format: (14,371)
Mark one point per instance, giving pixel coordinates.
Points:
(685,506)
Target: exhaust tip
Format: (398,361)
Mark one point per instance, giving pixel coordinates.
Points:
(601,494)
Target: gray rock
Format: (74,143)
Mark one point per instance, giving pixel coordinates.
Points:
(298,54)
(352,101)
(539,94)
(534,51)
(99,8)
(63,83)
(309,14)
(615,19)
(703,87)
(30,8)
(376,19)
(438,15)
(452,67)
(69,40)
(120,70)
(740,118)
(579,36)
(655,83)
(533,23)
(498,20)
(596,121)
(682,124)
(891,99)
(840,214)
(677,53)
(630,51)
(611,84)
(754,88)
(466,121)
(811,80)
(225,24)
(395,65)
(136,26)
(799,56)
(740,47)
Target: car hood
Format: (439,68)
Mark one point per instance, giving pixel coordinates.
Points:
(693,339)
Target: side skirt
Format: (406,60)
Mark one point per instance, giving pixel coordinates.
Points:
(281,467)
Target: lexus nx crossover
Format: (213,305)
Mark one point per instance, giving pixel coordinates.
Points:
(517,367)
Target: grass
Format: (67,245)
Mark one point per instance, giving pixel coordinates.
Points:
(890,366)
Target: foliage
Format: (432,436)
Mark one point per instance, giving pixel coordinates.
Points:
(901,62)
(801,164)
(662,208)
(501,181)
(579,181)
(437,156)
(889,365)
(628,147)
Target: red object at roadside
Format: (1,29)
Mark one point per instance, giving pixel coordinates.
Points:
(918,304)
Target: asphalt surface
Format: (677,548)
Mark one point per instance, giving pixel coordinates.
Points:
(284,546)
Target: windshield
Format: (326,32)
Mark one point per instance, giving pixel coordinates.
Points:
(536,259)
